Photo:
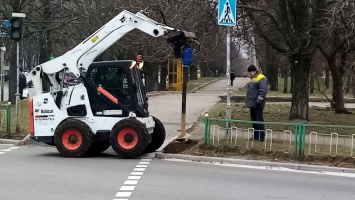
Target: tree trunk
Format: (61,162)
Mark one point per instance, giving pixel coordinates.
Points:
(163,75)
(338,95)
(327,74)
(285,84)
(348,85)
(193,72)
(311,89)
(45,43)
(271,68)
(300,70)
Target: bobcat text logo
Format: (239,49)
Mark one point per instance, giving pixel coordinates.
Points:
(47,111)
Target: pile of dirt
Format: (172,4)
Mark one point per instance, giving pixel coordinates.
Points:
(179,146)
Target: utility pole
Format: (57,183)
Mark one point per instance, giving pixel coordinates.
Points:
(17,86)
(2,65)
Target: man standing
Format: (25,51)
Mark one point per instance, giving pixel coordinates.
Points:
(255,100)
(22,83)
(232,77)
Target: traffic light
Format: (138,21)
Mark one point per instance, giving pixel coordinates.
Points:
(16,29)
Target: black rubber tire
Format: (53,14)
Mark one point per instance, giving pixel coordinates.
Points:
(98,147)
(85,132)
(140,130)
(158,136)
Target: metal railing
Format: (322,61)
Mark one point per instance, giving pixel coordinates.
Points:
(299,138)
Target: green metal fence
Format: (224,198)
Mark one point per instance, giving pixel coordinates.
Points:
(298,138)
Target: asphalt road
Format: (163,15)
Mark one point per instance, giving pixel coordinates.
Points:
(36,173)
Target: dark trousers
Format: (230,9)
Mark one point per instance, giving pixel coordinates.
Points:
(21,93)
(232,82)
(256,114)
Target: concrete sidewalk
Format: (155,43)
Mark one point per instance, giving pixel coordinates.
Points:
(168,107)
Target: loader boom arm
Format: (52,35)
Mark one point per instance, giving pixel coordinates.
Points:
(81,56)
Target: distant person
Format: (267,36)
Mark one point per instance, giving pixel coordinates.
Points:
(232,77)
(22,83)
(255,100)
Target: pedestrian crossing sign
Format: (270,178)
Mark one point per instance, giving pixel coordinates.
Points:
(227,12)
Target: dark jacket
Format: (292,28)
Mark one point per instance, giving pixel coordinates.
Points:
(257,90)
(232,76)
(22,81)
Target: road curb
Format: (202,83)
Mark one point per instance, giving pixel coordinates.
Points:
(159,93)
(294,166)
(204,85)
(16,142)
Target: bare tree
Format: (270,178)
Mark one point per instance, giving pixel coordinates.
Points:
(295,28)
(335,45)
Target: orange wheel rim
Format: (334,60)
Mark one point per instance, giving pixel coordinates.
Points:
(72,139)
(127,138)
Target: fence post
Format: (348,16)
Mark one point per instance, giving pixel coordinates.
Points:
(302,138)
(296,138)
(8,118)
(207,129)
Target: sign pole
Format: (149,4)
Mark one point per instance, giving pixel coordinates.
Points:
(186,62)
(227,16)
(228,108)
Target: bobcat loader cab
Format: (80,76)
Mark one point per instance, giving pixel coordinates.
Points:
(108,105)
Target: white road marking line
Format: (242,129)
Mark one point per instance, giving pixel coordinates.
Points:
(130,182)
(139,169)
(8,150)
(123,194)
(143,166)
(134,177)
(137,173)
(146,160)
(127,188)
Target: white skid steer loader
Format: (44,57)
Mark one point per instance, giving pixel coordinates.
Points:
(107,104)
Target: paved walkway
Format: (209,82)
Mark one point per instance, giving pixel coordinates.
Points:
(168,107)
